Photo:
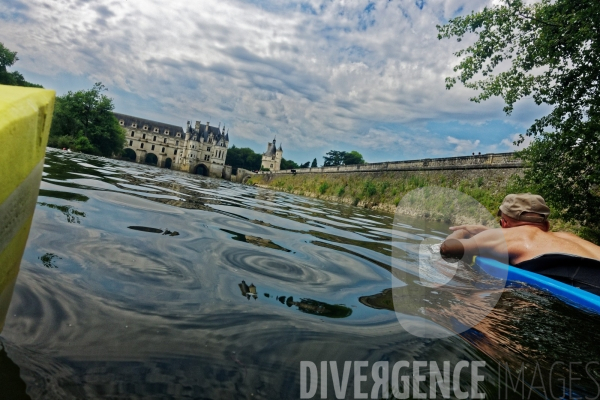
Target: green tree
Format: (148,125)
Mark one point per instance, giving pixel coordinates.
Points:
(314,163)
(333,158)
(352,158)
(288,164)
(547,51)
(7,59)
(85,120)
(243,157)
(305,165)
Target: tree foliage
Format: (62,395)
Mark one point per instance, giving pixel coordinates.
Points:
(353,158)
(7,59)
(335,157)
(243,157)
(288,164)
(547,51)
(314,163)
(84,120)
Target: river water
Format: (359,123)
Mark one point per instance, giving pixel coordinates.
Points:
(139,282)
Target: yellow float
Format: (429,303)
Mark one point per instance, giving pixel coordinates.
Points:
(25,118)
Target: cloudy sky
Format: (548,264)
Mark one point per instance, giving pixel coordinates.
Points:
(318,74)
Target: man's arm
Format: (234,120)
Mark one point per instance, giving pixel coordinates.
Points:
(466,231)
(488,243)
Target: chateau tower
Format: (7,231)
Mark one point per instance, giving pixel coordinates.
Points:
(271,159)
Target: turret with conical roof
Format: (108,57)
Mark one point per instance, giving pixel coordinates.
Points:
(271,158)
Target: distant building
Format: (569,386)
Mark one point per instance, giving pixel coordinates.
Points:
(199,150)
(271,159)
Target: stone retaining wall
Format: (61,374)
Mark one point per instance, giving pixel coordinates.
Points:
(485,161)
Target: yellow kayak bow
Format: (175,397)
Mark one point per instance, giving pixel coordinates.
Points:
(25,118)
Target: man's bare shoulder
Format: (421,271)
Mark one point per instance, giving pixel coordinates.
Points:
(589,248)
(565,235)
(523,232)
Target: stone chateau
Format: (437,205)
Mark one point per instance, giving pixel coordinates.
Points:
(200,149)
(271,159)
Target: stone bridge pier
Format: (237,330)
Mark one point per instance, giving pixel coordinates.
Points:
(140,156)
(162,158)
(242,175)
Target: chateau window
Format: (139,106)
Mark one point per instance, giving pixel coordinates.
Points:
(121,122)
(178,134)
(154,138)
(152,147)
(132,133)
(175,152)
(145,127)
(206,157)
(141,145)
(166,132)
(208,149)
(163,150)
(271,165)
(177,143)
(131,142)
(134,125)
(165,141)
(155,129)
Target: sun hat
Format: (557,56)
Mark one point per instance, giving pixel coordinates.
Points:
(515,205)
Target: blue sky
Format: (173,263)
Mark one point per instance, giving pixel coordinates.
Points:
(317,74)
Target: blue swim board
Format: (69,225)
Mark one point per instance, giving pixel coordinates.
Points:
(571,294)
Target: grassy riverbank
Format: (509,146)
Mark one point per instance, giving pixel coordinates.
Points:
(384,191)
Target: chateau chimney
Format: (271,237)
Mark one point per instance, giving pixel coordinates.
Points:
(198,125)
(207,125)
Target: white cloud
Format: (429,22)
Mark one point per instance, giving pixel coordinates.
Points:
(315,72)
(463,146)
(508,144)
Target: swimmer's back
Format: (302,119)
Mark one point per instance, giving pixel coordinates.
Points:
(526,242)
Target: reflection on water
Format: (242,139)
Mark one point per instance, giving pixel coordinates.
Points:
(139,282)
(68,211)
(153,230)
(309,306)
(48,260)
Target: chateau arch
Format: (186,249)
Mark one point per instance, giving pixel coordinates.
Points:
(129,154)
(201,169)
(151,159)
